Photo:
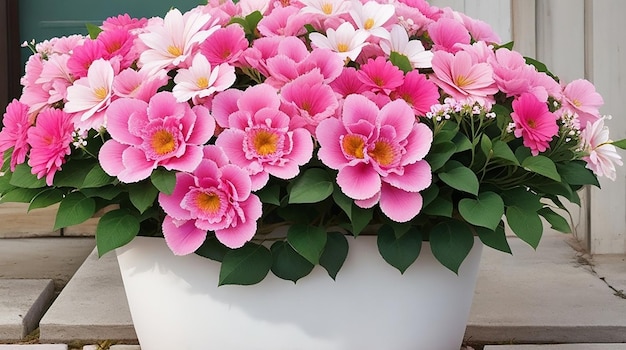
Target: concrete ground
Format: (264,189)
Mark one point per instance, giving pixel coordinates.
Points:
(555,295)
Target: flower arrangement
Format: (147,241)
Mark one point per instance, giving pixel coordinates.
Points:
(218,126)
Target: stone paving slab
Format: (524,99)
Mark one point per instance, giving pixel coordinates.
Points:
(22,304)
(113,347)
(551,295)
(91,307)
(558,347)
(43,258)
(34,347)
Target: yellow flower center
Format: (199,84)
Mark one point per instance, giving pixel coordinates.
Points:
(265,142)
(353,146)
(342,47)
(577,103)
(208,202)
(369,23)
(327,8)
(382,153)
(100,93)
(462,81)
(174,50)
(163,142)
(202,83)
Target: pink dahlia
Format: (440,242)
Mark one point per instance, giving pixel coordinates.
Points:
(159,133)
(14,133)
(534,123)
(216,197)
(259,137)
(50,141)
(379,155)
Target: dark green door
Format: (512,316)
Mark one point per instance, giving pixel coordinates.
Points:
(43,19)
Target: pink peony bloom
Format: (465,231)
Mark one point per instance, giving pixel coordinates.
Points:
(201,80)
(262,49)
(216,197)
(462,78)
(159,133)
(225,45)
(601,156)
(307,100)
(534,123)
(380,75)
(418,92)
(446,33)
(284,21)
(14,134)
(379,155)
(50,141)
(260,139)
(581,99)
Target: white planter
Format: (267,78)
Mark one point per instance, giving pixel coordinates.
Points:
(176,304)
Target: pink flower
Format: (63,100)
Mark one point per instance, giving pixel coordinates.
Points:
(307,100)
(418,92)
(225,45)
(380,75)
(534,123)
(601,156)
(123,22)
(216,197)
(348,83)
(446,33)
(201,80)
(15,132)
(119,43)
(50,141)
(580,98)
(140,85)
(260,140)
(379,155)
(462,78)
(284,21)
(159,133)
(84,55)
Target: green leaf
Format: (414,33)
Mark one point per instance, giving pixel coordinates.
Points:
(20,195)
(486,146)
(96,177)
(439,154)
(575,173)
(107,192)
(486,211)
(93,30)
(115,229)
(521,153)
(557,222)
(461,142)
(46,199)
(459,177)
(246,265)
(526,224)
(22,177)
(344,202)
(399,252)
(508,45)
(543,166)
(522,198)
(439,207)
(401,61)
(142,195)
(74,173)
(495,239)
(313,186)
(360,218)
(212,249)
(74,209)
(253,20)
(287,263)
(620,143)
(335,253)
(270,194)
(501,150)
(163,180)
(308,241)
(450,242)
(541,67)
(429,194)
(5,183)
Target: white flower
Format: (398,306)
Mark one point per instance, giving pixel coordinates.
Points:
(413,49)
(326,7)
(371,17)
(601,154)
(201,80)
(345,41)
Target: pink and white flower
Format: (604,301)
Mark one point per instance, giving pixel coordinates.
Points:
(371,17)
(413,49)
(216,197)
(581,99)
(346,41)
(600,155)
(379,155)
(202,80)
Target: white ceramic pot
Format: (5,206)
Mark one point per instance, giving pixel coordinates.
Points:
(175,303)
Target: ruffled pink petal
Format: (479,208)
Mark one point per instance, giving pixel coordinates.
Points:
(358,108)
(328,135)
(136,166)
(188,161)
(359,181)
(399,205)
(258,97)
(118,117)
(237,236)
(416,177)
(239,181)
(184,239)
(231,142)
(399,115)
(418,143)
(171,203)
(302,146)
(110,157)
(259,180)
(204,127)
(224,104)
(368,203)
(285,171)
